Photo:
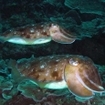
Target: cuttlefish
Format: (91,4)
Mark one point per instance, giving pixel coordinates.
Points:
(38,34)
(76,73)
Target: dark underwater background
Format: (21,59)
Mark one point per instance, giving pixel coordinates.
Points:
(84,17)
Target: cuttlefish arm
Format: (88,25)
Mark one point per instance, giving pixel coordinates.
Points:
(37,34)
(59,35)
(82,78)
(94,84)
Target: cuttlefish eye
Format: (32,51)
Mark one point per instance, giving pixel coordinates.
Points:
(73,62)
(55,29)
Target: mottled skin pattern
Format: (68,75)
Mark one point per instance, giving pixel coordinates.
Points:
(44,69)
(29,31)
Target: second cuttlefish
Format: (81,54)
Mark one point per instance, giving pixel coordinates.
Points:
(38,34)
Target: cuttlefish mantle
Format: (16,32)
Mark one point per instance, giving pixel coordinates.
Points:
(38,34)
(76,73)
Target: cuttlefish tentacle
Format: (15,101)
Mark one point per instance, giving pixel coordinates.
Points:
(38,34)
(74,72)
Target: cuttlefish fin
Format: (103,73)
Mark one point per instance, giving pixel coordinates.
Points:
(24,41)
